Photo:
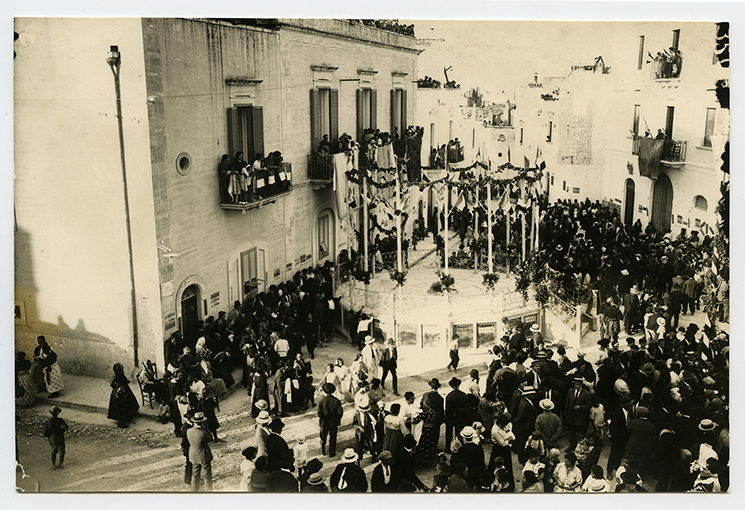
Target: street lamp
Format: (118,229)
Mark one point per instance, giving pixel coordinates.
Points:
(115,61)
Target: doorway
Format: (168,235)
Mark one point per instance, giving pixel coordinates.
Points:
(190,314)
(628,215)
(662,203)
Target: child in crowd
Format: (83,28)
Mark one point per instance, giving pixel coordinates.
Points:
(535,442)
(596,482)
(598,431)
(247,468)
(535,466)
(55,429)
(582,450)
(301,454)
(442,471)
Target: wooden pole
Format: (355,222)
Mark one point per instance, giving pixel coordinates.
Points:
(365,219)
(447,211)
(399,258)
(488,226)
(507,247)
(522,237)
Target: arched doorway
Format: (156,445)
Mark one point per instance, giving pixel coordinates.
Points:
(326,236)
(190,313)
(662,203)
(628,214)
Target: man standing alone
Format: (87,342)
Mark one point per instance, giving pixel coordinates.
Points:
(389,362)
(329,418)
(200,454)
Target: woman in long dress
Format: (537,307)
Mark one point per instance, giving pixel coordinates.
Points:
(48,373)
(426,450)
(395,428)
(123,404)
(25,387)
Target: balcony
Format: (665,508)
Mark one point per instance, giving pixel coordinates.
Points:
(674,153)
(238,192)
(666,67)
(320,168)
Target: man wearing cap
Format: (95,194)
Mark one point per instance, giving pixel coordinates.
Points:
(470,454)
(382,479)
(348,476)
(371,358)
(548,424)
(316,484)
(577,411)
(262,432)
(455,401)
(364,427)
(389,362)
(200,454)
(54,429)
(329,418)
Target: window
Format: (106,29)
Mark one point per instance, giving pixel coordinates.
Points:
(637,114)
(325,235)
(641,52)
(324,115)
(700,203)
(432,135)
(450,130)
(246,131)
(246,273)
(521,136)
(398,111)
(367,110)
(473,139)
(669,122)
(709,127)
(676,39)
(550,131)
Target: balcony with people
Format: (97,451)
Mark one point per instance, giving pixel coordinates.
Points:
(667,64)
(245,185)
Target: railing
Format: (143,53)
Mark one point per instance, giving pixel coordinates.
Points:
(320,167)
(674,152)
(563,310)
(240,190)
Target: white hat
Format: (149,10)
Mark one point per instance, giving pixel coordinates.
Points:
(349,456)
(369,340)
(467,433)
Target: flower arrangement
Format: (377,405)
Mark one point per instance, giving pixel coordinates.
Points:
(490,281)
(445,284)
(399,277)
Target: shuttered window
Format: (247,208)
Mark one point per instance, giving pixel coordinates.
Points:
(246,131)
(398,111)
(324,115)
(367,110)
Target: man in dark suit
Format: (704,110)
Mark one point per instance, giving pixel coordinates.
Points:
(282,479)
(523,421)
(404,472)
(364,428)
(329,418)
(389,363)
(470,454)
(455,401)
(200,454)
(382,479)
(348,476)
(276,446)
(619,433)
(577,411)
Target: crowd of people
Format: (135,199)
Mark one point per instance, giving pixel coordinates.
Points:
(242,182)
(391,25)
(667,63)
(644,272)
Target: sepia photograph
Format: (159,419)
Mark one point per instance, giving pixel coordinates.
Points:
(337,255)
